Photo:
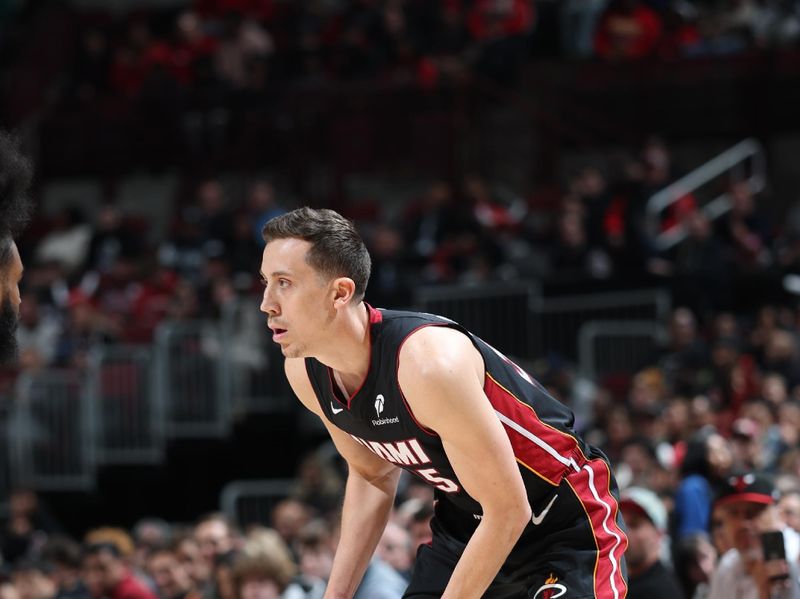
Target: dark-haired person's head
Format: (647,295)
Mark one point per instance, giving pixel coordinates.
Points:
(103,568)
(64,556)
(15,178)
(315,269)
(335,247)
(171,577)
(32,579)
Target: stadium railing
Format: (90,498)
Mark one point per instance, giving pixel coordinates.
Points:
(746,161)
(253,363)
(191,379)
(52,432)
(613,347)
(128,416)
(130,400)
(248,502)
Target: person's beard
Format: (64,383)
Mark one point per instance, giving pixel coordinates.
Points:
(8,332)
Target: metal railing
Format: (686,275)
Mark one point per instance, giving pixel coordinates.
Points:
(51,432)
(130,400)
(5,450)
(248,502)
(500,314)
(191,379)
(733,161)
(253,363)
(559,319)
(129,419)
(617,346)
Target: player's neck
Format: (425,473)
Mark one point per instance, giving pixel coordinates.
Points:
(349,353)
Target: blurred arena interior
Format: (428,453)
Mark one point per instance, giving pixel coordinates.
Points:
(607,191)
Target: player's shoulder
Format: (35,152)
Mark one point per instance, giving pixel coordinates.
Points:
(432,349)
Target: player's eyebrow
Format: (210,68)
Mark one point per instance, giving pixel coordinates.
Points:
(277,273)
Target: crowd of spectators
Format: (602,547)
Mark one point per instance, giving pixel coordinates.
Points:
(211,558)
(720,398)
(240,48)
(109,279)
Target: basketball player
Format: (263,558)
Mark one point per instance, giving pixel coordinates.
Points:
(15,177)
(524,507)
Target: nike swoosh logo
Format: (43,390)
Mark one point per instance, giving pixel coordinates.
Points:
(537,518)
(336,410)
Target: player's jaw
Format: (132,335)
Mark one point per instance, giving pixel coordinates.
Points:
(8,332)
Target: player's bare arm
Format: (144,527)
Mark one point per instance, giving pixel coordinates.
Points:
(441,375)
(369,494)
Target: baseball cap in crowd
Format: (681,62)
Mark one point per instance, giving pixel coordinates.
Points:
(646,503)
(750,487)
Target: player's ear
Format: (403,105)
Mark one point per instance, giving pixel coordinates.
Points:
(344,290)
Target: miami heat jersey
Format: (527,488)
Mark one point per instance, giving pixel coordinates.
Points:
(378,417)
(570,487)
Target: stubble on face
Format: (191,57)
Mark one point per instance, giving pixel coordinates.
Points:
(8,332)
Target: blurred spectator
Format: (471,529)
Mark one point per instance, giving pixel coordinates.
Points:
(150,534)
(64,556)
(394,549)
(32,580)
(187,550)
(748,509)
(243,40)
(85,328)
(639,465)
(170,576)
(685,361)
(262,207)
(578,22)
(431,223)
(222,577)
(628,30)
(91,66)
(390,280)
(8,591)
(744,228)
(705,465)
(215,536)
(318,486)
(38,331)
(108,577)
(119,537)
(314,546)
(789,509)
(646,520)
(695,562)
(701,269)
(68,241)
(289,517)
(420,526)
(28,526)
(270,575)
(111,239)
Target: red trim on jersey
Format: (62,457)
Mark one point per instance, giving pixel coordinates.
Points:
(424,428)
(527,452)
(592,487)
(375,317)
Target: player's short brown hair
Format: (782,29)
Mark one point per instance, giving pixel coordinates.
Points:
(337,249)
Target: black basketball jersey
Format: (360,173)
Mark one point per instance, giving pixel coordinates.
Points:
(569,484)
(378,417)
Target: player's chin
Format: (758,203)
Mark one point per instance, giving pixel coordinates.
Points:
(290,351)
